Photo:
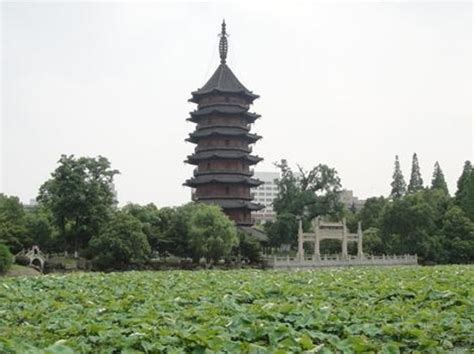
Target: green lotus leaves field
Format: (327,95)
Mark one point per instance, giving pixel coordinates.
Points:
(387,310)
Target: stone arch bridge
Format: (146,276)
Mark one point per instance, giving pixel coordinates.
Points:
(36,257)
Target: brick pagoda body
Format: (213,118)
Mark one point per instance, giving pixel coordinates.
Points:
(222,156)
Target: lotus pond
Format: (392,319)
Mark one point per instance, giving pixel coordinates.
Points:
(388,310)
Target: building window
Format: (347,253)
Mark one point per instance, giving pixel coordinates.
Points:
(227,190)
(208,165)
(227,142)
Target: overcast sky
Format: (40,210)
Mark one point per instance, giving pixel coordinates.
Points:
(348,85)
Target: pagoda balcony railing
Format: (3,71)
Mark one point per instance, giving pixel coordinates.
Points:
(210,148)
(223,196)
(196,172)
(246,127)
(242,105)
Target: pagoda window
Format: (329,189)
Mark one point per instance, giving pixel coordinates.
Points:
(227,190)
(208,166)
(227,142)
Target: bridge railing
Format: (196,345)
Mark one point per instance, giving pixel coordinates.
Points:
(338,260)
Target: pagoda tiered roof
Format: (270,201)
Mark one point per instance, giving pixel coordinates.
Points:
(223,178)
(197,173)
(223,109)
(222,131)
(223,81)
(223,154)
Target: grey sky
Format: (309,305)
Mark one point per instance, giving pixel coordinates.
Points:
(349,85)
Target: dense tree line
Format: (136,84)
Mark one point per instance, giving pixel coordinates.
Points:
(77,213)
(419,219)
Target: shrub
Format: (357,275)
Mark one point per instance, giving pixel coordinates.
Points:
(6,258)
(22,260)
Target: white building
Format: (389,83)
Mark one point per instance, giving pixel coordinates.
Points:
(265,194)
(31,205)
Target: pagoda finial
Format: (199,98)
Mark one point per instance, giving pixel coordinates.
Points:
(223,46)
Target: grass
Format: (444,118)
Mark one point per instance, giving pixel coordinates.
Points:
(19,271)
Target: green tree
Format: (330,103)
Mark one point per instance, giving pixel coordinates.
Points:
(438,181)
(176,227)
(465,192)
(13,230)
(405,225)
(411,224)
(458,232)
(304,195)
(416,181)
(121,242)
(6,258)
(370,213)
(311,193)
(148,216)
(398,183)
(248,248)
(80,197)
(168,237)
(162,226)
(212,234)
(283,230)
(39,229)
(372,242)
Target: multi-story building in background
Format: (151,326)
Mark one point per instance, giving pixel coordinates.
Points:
(31,205)
(265,194)
(350,202)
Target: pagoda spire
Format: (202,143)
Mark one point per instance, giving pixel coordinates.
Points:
(223,46)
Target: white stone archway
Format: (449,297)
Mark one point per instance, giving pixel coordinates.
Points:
(329,231)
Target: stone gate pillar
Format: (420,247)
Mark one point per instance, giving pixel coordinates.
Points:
(359,240)
(344,239)
(300,240)
(317,253)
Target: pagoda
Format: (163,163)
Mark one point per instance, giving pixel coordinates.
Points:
(223,159)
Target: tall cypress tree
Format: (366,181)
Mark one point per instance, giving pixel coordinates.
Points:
(438,181)
(465,192)
(416,182)
(463,180)
(398,184)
